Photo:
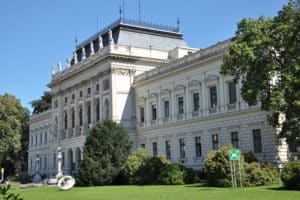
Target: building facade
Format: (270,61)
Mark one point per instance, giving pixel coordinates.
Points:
(171,98)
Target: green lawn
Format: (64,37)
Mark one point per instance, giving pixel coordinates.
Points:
(184,192)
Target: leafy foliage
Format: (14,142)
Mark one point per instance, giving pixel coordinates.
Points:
(106,149)
(14,131)
(133,164)
(219,174)
(171,174)
(8,196)
(42,104)
(290,175)
(265,56)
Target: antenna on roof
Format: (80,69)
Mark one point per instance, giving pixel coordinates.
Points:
(76,40)
(140,11)
(123,4)
(178,23)
(97,24)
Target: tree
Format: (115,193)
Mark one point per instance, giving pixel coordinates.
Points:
(42,104)
(14,130)
(265,55)
(106,149)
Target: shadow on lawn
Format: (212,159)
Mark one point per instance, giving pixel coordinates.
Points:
(204,186)
(281,188)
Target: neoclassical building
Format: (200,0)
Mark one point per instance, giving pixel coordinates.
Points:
(170,97)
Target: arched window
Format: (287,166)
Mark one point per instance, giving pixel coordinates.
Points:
(66,120)
(73,118)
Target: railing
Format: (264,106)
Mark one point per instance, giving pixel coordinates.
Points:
(128,22)
(200,55)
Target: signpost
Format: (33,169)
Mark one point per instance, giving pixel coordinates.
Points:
(234,155)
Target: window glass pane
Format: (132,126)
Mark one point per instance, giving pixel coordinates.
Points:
(182,148)
(215,141)
(168,149)
(142,115)
(232,92)
(235,139)
(166,106)
(196,101)
(180,105)
(154,148)
(257,142)
(213,96)
(198,146)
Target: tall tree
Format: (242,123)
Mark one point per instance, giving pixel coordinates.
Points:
(14,130)
(106,149)
(42,104)
(265,55)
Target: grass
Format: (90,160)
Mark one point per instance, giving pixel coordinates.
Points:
(189,192)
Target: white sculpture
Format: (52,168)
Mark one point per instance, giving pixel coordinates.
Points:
(75,57)
(100,42)
(110,37)
(68,62)
(59,157)
(66,182)
(59,66)
(83,53)
(92,48)
(53,70)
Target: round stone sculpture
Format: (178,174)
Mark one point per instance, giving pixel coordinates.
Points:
(66,182)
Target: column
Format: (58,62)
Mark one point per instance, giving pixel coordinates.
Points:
(173,103)
(187,104)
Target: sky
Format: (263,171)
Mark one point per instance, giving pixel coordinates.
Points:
(36,34)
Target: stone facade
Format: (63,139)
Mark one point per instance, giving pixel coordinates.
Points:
(170,97)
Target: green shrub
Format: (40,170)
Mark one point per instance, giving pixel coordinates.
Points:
(5,195)
(249,157)
(290,175)
(133,164)
(217,166)
(149,172)
(191,176)
(171,174)
(105,152)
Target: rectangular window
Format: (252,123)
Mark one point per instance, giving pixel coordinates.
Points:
(215,141)
(198,146)
(153,111)
(196,101)
(97,87)
(142,114)
(73,97)
(41,138)
(166,109)
(168,149)
(54,160)
(66,99)
(257,142)
(45,137)
(180,105)
(89,90)
(143,146)
(182,148)
(106,84)
(45,162)
(80,93)
(31,164)
(154,148)
(232,92)
(56,103)
(36,139)
(213,96)
(235,139)
(62,159)
(31,139)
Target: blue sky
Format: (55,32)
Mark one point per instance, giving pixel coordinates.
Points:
(35,34)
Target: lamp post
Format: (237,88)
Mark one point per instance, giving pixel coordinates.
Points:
(59,158)
(2,176)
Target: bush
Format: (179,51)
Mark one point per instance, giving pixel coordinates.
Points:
(219,173)
(133,164)
(106,149)
(5,195)
(249,157)
(23,178)
(171,174)
(218,167)
(290,175)
(149,172)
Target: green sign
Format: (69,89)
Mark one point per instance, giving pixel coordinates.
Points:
(234,154)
